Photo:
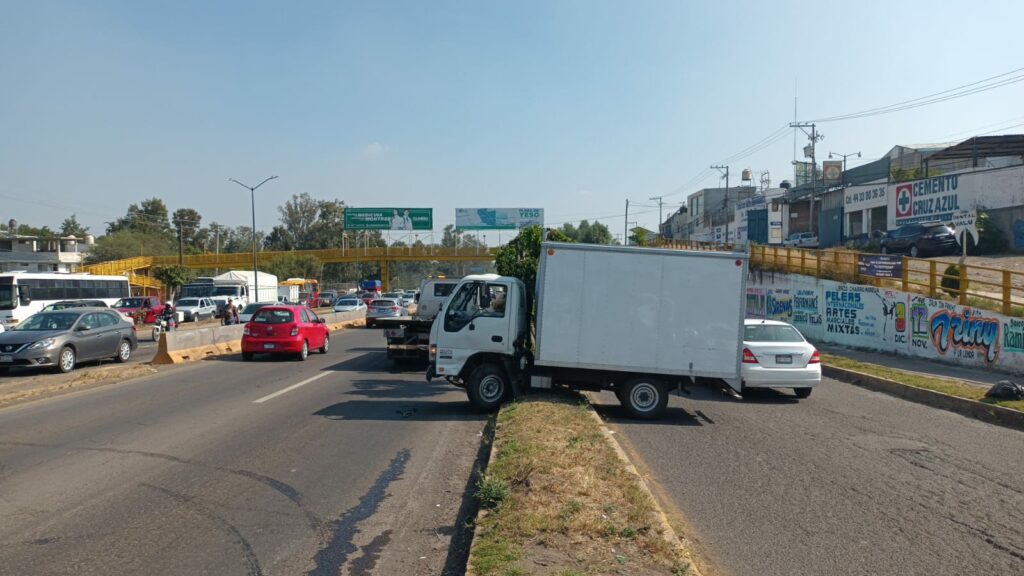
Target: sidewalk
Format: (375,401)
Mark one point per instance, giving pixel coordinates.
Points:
(920,366)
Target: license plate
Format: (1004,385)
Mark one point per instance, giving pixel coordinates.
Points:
(784,359)
(268,346)
(6,358)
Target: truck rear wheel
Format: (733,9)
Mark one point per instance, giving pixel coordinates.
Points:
(644,398)
(487,387)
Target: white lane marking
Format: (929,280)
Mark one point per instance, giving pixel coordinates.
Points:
(290,388)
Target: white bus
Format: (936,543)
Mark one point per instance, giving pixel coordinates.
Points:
(22,294)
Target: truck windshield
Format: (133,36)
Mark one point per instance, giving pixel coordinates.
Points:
(226,291)
(7,299)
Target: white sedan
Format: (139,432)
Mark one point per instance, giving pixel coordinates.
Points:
(776,355)
(348,304)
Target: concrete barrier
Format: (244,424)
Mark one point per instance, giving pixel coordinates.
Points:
(187,345)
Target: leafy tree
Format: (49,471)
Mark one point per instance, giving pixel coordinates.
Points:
(71,227)
(240,240)
(187,221)
(638,237)
(294,266)
(174,277)
(521,256)
(587,233)
(128,244)
(149,218)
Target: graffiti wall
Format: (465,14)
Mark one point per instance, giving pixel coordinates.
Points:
(889,320)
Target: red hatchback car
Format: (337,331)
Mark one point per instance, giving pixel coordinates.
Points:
(284,330)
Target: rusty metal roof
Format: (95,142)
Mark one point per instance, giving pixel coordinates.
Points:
(983,147)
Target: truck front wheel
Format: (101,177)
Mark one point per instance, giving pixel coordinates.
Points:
(644,398)
(487,387)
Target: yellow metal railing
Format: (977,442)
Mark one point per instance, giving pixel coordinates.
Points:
(981,286)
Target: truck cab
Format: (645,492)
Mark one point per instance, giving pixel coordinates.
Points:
(481,328)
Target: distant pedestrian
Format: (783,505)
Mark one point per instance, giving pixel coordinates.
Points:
(229,313)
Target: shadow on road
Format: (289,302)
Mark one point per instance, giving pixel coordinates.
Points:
(399,388)
(397,410)
(674,416)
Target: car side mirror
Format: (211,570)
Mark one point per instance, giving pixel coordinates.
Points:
(321,321)
(81,328)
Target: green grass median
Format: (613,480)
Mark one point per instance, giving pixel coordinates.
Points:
(557,500)
(950,386)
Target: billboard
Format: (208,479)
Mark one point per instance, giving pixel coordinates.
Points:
(832,171)
(389,218)
(497,218)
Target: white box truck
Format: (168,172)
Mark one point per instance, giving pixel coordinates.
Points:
(637,321)
(240,286)
(288,293)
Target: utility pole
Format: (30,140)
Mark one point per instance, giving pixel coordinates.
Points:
(660,221)
(625,225)
(181,247)
(724,170)
(844,157)
(814,137)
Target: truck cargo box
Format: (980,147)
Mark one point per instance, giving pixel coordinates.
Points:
(655,311)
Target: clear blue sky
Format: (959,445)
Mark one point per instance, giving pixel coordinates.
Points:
(569,106)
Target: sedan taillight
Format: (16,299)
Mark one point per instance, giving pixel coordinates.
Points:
(245,331)
(748,357)
(815,358)
(295,331)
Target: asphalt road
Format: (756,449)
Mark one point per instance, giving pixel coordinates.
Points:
(847,482)
(336,465)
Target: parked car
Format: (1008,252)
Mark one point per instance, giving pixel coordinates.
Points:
(247,313)
(290,330)
(64,338)
(801,240)
(919,240)
(348,304)
(151,306)
(383,308)
(776,355)
(195,309)
(65,304)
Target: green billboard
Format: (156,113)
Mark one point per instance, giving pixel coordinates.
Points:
(389,218)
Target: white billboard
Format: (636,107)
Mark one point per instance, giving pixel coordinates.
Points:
(497,218)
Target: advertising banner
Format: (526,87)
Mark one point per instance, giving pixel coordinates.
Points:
(389,219)
(880,266)
(497,218)
(864,197)
(935,199)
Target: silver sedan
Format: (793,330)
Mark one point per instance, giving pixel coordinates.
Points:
(64,338)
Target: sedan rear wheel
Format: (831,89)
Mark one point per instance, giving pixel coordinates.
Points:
(124,351)
(326,346)
(305,350)
(802,392)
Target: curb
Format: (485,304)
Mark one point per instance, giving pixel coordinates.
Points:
(988,413)
(667,531)
(480,512)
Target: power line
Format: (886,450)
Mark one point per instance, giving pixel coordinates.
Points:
(950,94)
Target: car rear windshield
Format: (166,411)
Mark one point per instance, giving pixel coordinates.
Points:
(252,308)
(188,302)
(937,230)
(348,302)
(771,333)
(383,303)
(273,317)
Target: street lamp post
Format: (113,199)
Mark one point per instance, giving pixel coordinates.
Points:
(252,198)
(844,157)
